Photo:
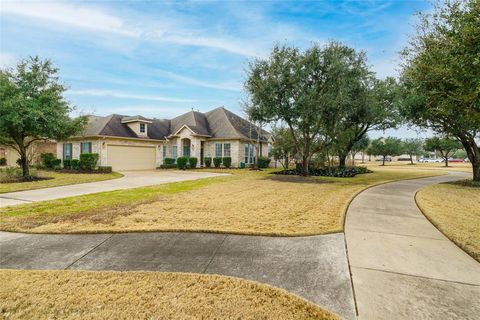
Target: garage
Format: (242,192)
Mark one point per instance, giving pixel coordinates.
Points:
(121,157)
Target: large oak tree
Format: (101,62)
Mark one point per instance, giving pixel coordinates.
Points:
(32,107)
(441,72)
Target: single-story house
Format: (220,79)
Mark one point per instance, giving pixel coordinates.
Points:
(34,151)
(138,143)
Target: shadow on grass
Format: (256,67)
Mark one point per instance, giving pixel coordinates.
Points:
(465,183)
(294,179)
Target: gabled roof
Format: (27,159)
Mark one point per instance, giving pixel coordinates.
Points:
(217,123)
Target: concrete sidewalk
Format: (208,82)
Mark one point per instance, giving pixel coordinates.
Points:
(314,268)
(131,179)
(402,266)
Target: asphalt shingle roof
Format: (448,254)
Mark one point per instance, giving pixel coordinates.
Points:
(217,123)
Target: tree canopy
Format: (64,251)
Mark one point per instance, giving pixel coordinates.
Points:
(32,107)
(440,72)
(386,147)
(445,146)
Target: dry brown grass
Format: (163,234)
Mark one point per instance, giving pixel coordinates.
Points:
(145,295)
(245,203)
(454,166)
(454,210)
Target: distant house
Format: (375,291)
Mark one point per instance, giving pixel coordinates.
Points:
(138,143)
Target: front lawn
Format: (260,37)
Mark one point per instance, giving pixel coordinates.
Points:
(246,202)
(57,179)
(145,295)
(455,210)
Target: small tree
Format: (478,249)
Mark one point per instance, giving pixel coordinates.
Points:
(32,107)
(386,147)
(445,146)
(413,147)
(359,146)
(283,148)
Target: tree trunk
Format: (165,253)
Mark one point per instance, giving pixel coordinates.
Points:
(383,160)
(411,159)
(353,159)
(24,162)
(342,159)
(476,170)
(363,157)
(473,153)
(446,161)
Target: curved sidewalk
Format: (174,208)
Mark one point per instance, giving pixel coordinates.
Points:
(402,266)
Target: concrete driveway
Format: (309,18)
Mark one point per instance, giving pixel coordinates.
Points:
(131,179)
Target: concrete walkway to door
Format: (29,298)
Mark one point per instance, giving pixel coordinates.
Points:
(402,266)
(131,179)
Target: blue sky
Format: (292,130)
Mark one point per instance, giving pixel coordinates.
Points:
(163,58)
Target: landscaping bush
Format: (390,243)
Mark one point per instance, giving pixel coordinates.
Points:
(329,172)
(217,161)
(192,162)
(263,162)
(75,164)
(208,161)
(67,164)
(182,163)
(49,161)
(104,169)
(168,166)
(169,161)
(88,161)
(19,162)
(227,162)
(3,161)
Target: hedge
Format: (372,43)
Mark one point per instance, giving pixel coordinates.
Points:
(104,169)
(227,162)
(208,161)
(88,161)
(3,161)
(192,162)
(168,166)
(263,162)
(217,161)
(49,161)
(168,161)
(182,162)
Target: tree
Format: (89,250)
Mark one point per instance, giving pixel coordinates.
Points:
(386,147)
(32,107)
(283,148)
(413,147)
(445,146)
(440,73)
(307,91)
(372,105)
(359,146)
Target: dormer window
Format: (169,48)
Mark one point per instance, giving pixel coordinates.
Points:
(142,127)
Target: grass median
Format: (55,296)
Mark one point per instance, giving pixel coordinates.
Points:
(145,295)
(454,208)
(245,202)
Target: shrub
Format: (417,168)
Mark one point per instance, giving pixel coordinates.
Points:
(217,161)
(88,161)
(192,162)
(56,163)
(19,162)
(168,161)
(75,164)
(104,169)
(48,160)
(263,162)
(227,162)
(3,161)
(168,166)
(182,163)
(208,161)
(67,164)
(329,172)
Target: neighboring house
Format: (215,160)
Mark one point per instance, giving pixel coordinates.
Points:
(34,152)
(136,143)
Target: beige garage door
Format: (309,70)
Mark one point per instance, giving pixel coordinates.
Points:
(130,158)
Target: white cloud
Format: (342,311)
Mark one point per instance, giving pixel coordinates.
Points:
(200,83)
(124,95)
(69,14)
(7,60)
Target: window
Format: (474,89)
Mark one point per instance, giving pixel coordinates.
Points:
(174,151)
(67,151)
(226,150)
(249,150)
(164,151)
(86,147)
(142,127)
(218,149)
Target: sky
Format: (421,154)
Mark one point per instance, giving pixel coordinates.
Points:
(163,58)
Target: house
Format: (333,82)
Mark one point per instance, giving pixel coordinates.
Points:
(33,152)
(138,143)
